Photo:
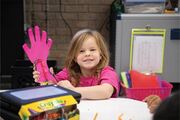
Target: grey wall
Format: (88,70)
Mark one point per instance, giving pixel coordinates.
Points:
(171,66)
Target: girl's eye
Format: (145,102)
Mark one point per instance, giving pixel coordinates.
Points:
(93,49)
(81,51)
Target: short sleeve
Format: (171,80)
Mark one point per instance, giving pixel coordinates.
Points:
(108,75)
(62,75)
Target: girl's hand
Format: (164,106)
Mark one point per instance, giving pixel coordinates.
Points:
(153,102)
(36,74)
(66,84)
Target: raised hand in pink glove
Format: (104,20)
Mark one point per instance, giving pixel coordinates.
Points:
(38,53)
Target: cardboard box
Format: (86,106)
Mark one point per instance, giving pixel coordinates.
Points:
(38,103)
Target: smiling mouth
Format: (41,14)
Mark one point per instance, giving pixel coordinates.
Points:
(88,60)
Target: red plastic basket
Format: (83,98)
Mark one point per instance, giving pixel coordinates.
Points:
(140,93)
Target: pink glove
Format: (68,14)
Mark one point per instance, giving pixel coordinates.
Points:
(38,53)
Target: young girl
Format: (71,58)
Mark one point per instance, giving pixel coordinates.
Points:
(86,67)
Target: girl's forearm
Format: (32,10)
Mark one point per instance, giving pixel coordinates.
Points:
(103,91)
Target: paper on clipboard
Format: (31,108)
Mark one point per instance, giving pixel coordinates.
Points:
(147,50)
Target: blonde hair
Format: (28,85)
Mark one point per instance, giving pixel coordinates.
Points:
(75,45)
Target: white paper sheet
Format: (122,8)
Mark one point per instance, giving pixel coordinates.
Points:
(148,53)
(111,109)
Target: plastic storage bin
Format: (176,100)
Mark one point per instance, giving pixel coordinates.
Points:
(144,6)
(140,93)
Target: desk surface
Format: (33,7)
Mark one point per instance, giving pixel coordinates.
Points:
(112,108)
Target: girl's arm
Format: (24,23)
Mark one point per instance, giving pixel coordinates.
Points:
(103,91)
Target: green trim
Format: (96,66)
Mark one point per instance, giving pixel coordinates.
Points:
(159,32)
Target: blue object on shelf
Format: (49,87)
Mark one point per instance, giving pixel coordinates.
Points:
(175,34)
(145,1)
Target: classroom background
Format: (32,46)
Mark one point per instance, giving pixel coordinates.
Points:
(61,19)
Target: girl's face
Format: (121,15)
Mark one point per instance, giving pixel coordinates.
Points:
(88,56)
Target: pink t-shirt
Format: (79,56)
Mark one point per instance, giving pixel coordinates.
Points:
(107,75)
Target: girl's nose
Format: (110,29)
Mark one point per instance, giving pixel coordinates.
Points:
(87,52)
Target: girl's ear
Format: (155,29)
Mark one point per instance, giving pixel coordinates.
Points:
(100,56)
(75,60)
